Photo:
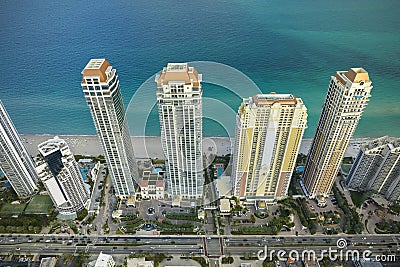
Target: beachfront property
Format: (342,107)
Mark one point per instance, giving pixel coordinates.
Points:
(15,162)
(152,185)
(179,95)
(348,95)
(60,174)
(377,168)
(100,85)
(269,129)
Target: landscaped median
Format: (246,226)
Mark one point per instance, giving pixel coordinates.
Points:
(352,223)
(272,227)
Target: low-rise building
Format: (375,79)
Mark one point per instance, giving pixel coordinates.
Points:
(117,214)
(176,201)
(48,262)
(224,207)
(152,185)
(103,260)
(201,214)
(139,262)
(131,202)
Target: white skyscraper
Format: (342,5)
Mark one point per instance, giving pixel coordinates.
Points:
(180,112)
(100,85)
(269,129)
(61,176)
(377,168)
(348,95)
(15,162)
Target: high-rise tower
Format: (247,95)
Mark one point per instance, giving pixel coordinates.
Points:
(348,95)
(100,85)
(15,162)
(269,129)
(180,112)
(377,168)
(61,176)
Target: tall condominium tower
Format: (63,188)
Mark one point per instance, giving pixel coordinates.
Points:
(377,168)
(269,129)
(101,88)
(180,113)
(60,175)
(348,95)
(15,162)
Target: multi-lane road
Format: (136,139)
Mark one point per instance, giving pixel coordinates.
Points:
(193,245)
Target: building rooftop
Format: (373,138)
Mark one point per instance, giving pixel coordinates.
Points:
(224,205)
(51,145)
(48,262)
(391,142)
(178,73)
(139,262)
(103,259)
(98,68)
(354,75)
(272,98)
(151,178)
(223,186)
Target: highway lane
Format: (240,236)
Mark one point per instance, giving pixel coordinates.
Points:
(41,248)
(319,239)
(95,249)
(78,239)
(188,244)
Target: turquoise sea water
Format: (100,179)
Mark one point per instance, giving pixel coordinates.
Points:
(283,46)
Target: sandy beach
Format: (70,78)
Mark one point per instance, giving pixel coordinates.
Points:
(150,147)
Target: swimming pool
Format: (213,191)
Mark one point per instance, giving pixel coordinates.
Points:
(84,171)
(300,168)
(157,170)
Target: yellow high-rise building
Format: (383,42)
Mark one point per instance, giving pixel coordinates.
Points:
(348,95)
(269,129)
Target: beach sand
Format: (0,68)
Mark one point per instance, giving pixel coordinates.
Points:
(150,147)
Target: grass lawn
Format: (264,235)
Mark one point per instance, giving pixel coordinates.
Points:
(359,197)
(9,209)
(40,204)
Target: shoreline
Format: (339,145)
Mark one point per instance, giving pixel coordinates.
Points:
(150,146)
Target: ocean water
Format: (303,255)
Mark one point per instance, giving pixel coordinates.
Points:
(241,47)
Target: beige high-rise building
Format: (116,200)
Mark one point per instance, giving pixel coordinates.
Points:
(100,85)
(269,129)
(180,112)
(348,95)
